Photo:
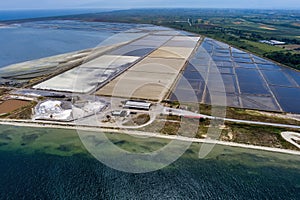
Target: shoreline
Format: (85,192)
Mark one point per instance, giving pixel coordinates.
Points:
(57,125)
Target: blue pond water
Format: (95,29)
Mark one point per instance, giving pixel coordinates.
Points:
(248,76)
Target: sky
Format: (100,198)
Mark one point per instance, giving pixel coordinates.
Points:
(125,4)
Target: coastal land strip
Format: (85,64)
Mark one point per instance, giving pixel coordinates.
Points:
(72,126)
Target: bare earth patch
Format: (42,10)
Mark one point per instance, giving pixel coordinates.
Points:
(291,46)
(296,24)
(12,105)
(268,28)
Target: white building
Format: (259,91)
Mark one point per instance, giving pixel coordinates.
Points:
(272,42)
(276,42)
(139,105)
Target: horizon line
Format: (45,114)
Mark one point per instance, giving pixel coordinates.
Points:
(141,8)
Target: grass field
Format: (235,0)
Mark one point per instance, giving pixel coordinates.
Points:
(263,47)
(231,132)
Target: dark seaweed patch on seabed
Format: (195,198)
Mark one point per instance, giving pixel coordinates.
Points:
(5,136)
(26,139)
(3,144)
(66,147)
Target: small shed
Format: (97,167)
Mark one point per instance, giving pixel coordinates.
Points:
(119,113)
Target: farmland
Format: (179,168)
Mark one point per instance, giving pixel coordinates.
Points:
(239,28)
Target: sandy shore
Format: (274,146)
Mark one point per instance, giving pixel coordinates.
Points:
(72,126)
(291,137)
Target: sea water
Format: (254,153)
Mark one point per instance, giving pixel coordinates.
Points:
(29,14)
(32,40)
(39,163)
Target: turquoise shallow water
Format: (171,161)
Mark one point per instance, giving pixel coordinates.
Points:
(52,164)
